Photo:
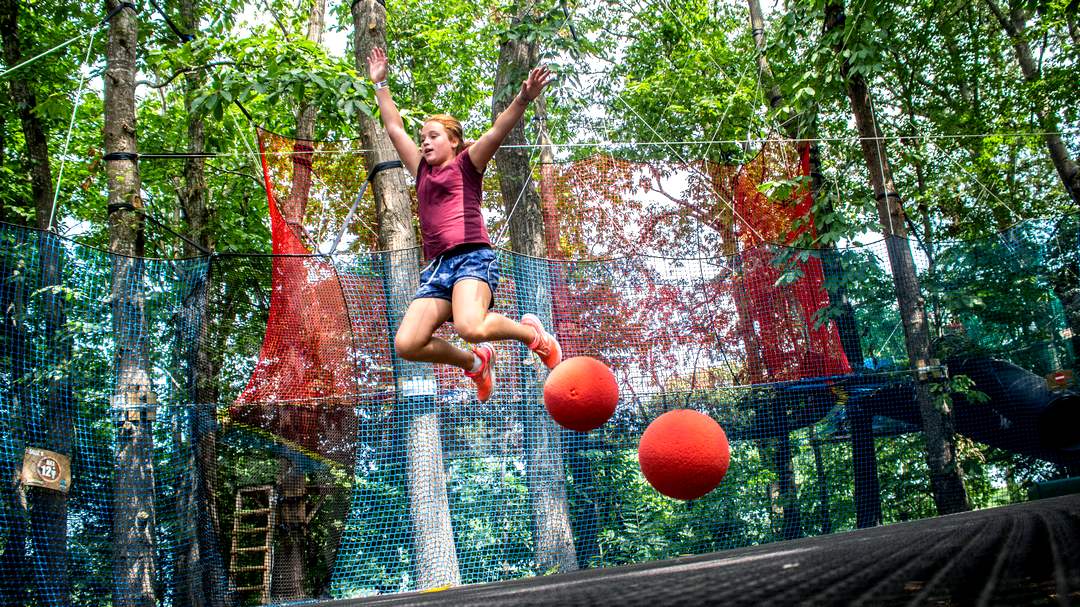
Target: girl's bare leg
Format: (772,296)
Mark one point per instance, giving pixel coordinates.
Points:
(475,324)
(415,338)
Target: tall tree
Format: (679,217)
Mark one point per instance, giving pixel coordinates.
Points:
(205,582)
(25,99)
(48,508)
(945,475)
(13,301)
(800,127)
(1013,19)
(867,498)
(291,556)
(133,400)
(296,203)
(546,475)
(434,550)
(789,497)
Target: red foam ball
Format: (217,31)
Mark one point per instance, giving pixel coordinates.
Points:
(684,454)
(580,393)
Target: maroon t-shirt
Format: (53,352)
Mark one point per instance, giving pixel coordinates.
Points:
(449,200)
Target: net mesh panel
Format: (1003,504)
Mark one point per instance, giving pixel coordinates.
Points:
(284,422)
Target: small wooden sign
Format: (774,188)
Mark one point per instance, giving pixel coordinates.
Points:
(47,469)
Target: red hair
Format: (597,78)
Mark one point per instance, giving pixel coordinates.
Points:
(453,128)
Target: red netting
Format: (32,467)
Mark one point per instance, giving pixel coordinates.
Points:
(306,367)
(784,302)
(764,312)
(696,259)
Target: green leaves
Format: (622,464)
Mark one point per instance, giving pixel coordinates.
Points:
(782,190)
(683,76)
(264,68)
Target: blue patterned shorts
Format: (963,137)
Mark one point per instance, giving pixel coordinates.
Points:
(468,261)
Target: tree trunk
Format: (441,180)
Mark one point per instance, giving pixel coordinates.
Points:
(1071,22)
(23,97)
(545,472)
(1066,285)
(17,587)
(207,583)
(825,515)
(192,198)
(588,504)
(946,477)
(1063,278)
(785,473)
(48,509)
(928,247)
(549,203)
(434,550)
(755,370)
(757,29)
(133,401)
(295,204)
(290,556)
(864,462)
(1015,26)
(585,516)
(831,268)
(830,261)
(864,452)
(204,428)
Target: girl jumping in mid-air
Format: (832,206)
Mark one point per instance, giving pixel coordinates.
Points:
(460,279)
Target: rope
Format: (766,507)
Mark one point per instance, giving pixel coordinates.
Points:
(524,186)
(734,213)
(881,349)
(983,186)
(375,170)
(52,50)
(92,32)
(251,150)
(71,127)
(181,35)
(127,206)
(606,144)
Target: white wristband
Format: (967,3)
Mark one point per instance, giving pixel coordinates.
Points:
(381,85)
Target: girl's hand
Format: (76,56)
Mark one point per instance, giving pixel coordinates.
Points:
(377,65)
(532,86)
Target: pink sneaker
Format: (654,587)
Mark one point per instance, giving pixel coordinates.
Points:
(485,377)
(545,345)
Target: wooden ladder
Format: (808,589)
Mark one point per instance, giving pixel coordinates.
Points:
(253,520)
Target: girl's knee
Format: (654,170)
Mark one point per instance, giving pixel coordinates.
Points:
(406,348)
(471,331)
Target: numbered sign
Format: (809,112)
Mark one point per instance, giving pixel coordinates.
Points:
(48,469)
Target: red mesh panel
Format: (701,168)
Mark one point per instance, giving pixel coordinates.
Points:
(793,344)
(714,297)
(602,206)
(306,370)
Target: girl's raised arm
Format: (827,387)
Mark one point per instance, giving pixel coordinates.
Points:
(481,152)
(391,118)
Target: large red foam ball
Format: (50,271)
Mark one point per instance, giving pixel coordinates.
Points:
(581,393)
(684,454)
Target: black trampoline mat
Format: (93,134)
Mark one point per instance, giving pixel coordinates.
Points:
(1024,554)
